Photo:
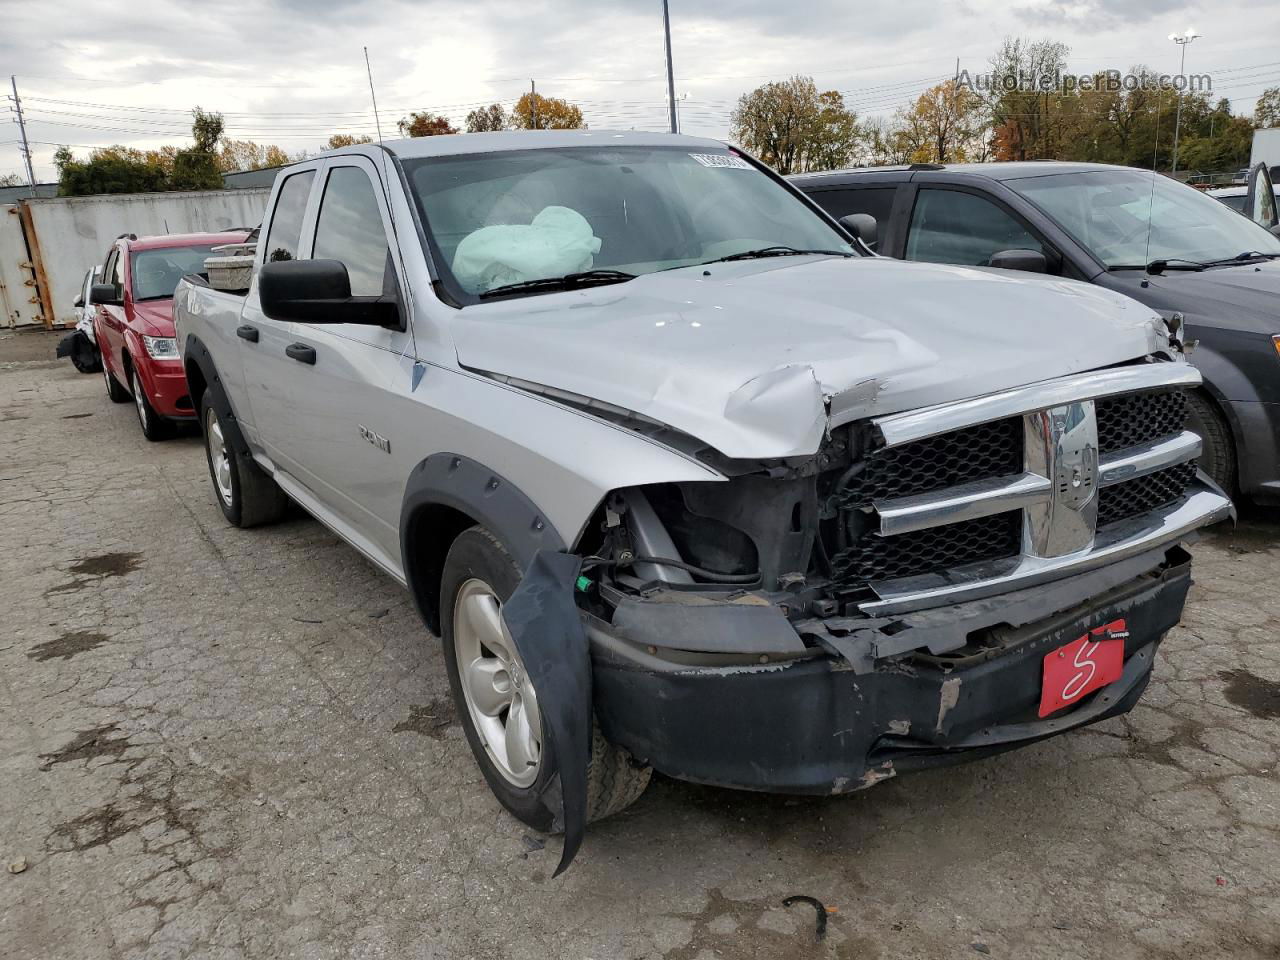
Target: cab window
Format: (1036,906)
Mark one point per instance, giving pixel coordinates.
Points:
(876,201)
(286,221)
(349,228)
(950,226)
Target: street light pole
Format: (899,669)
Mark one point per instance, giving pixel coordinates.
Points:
(1182,40)
(22,129)
(671,80)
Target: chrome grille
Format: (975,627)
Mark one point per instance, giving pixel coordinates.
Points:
(1103,470)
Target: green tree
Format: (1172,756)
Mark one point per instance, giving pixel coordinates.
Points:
(426,124)
(792,127)
(115,169)
(552,114)
(196,167)
(1026,124)
(488,119)
(12,180)
(1267,112)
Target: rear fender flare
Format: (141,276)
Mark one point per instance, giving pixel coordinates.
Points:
(197,354)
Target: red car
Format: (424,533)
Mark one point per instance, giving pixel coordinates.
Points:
(134,323)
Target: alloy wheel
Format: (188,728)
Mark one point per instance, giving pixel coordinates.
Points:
(219,457)
(500,698)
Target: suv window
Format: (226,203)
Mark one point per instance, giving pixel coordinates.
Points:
(877,201)
(286,222)
(113,275)
(349,229)
(948,226)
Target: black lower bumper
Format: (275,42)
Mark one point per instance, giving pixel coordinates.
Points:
(816,725)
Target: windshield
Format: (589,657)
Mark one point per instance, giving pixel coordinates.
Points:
(155,273)
(1108,212)
(496,219)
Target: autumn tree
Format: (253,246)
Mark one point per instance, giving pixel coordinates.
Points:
(792,127)
(552,113)
(115,169)
(196,167)
(488,119)
(945,125)
(1267,112)
(339,140)
(246,155)
(426,124)
(1023,112)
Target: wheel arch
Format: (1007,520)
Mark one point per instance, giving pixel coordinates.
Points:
(448,493)
(199,367)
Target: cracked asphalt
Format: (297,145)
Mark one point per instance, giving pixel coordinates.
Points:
(229,744)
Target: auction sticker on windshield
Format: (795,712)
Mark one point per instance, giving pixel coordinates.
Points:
(721,160)
(1088,663)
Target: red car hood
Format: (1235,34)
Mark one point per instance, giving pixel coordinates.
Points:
(153,317)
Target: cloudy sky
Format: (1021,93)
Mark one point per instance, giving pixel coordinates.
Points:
(291,72)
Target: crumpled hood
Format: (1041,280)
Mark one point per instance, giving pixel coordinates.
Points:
(752,357)
(154,317)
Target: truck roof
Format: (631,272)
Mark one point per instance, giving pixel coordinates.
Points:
(462,143)
(1006,170)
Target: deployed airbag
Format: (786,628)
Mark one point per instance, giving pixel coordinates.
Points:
(558,241)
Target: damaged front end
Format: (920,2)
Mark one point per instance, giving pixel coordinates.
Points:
(817,624)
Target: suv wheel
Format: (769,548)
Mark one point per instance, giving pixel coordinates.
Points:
(154,427)
(247,495)
(117,393)
(497,704)
(1218,454)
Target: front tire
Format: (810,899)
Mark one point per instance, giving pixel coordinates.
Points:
(115,391)
(154,427)
(1218,452)
(495,701)
(247,495)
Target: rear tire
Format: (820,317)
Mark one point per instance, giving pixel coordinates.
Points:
(247,495)
(154,426)
(479,566)
(1218,453)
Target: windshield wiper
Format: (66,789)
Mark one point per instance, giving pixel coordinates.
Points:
(776,251)
(570,281)
(1174,263)
(1243,257)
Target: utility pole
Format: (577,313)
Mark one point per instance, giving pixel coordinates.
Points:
(1183,40)
(671,78)
(533,102)
(22,127)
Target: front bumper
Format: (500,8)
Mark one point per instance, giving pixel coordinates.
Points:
(166,385)
(823,724)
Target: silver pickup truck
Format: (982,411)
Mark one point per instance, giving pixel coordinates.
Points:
(686,480)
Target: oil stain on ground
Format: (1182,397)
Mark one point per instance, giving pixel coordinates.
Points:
(88,744)
(431,720)
(67,645)
(1251,692)
(87,569)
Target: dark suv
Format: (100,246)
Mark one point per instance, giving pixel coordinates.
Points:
(1145,235)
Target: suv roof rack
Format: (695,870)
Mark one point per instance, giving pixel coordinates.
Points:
(927,166)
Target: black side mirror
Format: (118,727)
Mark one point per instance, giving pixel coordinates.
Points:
(79,304)
(105,294)
(863,226)
(1028,261)
(319,291)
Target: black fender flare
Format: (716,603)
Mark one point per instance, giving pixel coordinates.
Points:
(197,353)
(470,488)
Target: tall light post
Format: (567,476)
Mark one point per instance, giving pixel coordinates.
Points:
(671,80)
(1183,40)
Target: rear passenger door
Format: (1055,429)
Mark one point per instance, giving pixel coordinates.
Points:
(876,201)
(955,225)
(341,393)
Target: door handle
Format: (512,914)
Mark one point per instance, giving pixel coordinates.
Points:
(247,332)
(301,352)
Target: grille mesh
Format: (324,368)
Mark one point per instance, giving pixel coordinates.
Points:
(975,453)
(928,551)
(1136,497)
(1136,418)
